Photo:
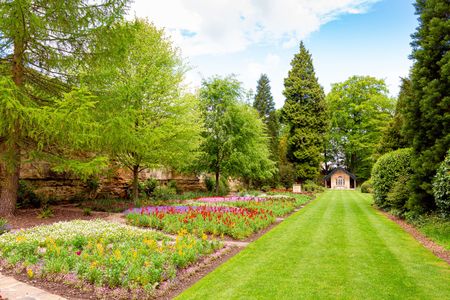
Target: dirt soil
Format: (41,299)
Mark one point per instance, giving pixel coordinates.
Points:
(26,218)
(438,250)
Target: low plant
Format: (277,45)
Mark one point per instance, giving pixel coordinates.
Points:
(46,212)
(26,197)
(441,187)
(312,187)
(102,253)
(367,187)
(4,227)
(235,222)
(87,211)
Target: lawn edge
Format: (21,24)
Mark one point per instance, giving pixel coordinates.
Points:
(425,241)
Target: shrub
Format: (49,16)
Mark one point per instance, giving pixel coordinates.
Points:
(398,194)
(164,193)
(87,211)
(210,183)
(223,185)
(311,186)
(26,197)
(386,172)
(441,187)
(4,227)
(172,184)
(149,186)
(367,186)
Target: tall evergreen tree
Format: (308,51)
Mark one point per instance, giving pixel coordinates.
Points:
(265,106)
(427,113)
(42,44)
(305,112)
(393,136)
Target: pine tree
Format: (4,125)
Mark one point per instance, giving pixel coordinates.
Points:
(265,106)
(42,44)
(427,113)
(305,112)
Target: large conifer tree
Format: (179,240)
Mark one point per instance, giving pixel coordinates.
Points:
(265,106)
(427,113)
(42,44)
(305,113)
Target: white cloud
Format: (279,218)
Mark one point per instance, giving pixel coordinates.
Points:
(222,26)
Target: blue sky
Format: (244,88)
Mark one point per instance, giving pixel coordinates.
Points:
(250,37)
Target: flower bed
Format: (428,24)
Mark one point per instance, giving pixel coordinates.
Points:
(279,206)
(216,220)
(102,253)
(229,199)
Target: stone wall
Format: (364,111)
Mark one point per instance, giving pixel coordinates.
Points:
(113,183)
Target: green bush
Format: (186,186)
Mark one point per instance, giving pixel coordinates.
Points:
(311,186)
(210,183)
(367,186)
(149,186)
(4,227)
(26,197)
(386,172)
(441,187)
(164,193)
(173,185)
(398,194)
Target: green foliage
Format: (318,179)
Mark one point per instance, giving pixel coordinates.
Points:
(399,193)
(4,227)
(312,186)
(149,186)
(149,120)
(359,110)
(393,135)
(164,193)
(235,143)
(427,114)
(388,169)
(441,187)
(46,212)
(103,253)
(26,197)
(305,113)
(209,183)
(367,186)
(87,211)
(41,108)
(265,106)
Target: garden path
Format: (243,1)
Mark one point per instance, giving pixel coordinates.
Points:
(13,289)
(337,247)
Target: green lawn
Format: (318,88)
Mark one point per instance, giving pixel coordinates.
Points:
(338,246)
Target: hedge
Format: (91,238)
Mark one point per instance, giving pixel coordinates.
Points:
(441,187)
(386,172)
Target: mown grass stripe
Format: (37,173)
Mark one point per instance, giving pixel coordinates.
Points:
(336,247)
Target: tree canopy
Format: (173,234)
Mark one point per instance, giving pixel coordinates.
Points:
(427,111)
(147,119)
(235,140)
(42,44)
(305,113)
(359,110)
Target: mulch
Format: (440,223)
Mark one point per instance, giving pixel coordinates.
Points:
(438,250)
(26,218)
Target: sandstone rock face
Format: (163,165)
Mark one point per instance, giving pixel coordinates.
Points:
(114,183)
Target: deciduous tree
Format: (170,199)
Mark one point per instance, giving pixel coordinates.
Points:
(42,43)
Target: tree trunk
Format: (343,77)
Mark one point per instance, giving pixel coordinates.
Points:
(135,183)
(9,183)
(217,182)
(10,149)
